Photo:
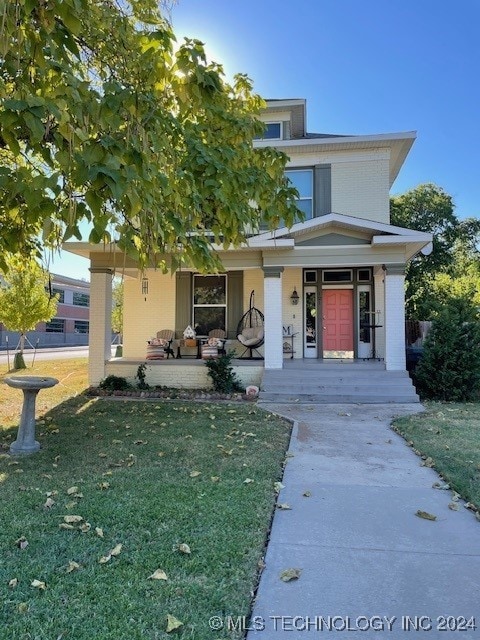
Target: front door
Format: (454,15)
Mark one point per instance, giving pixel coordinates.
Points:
(337,314)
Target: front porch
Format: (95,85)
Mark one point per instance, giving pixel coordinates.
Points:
(301,380)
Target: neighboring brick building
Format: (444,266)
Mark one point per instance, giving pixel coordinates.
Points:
(71,324)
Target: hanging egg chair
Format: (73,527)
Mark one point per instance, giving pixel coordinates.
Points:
(250,330)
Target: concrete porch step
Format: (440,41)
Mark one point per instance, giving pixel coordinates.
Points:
(312,398)
(332,384)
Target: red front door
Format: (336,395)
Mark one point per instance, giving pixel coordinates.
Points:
(337,312)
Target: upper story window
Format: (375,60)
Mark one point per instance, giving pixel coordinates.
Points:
(60,292)
(273,131)
(302,180)
(81,299)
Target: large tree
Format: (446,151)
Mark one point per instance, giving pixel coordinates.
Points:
(103,119)
(455,245)
(25,298)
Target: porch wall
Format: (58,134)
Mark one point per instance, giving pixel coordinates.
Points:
(379,286)
(142,319)
(293,315)
(180,376)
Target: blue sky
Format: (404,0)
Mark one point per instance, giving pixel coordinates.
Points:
(365,67)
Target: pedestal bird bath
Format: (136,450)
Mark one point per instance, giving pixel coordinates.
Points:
(30,385)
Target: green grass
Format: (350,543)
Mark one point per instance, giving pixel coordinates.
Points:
(449,433)
(146,452)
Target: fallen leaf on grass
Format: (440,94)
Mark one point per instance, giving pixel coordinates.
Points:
(248,481)
(38,584)
(104,485)
(85,527)
(172,623)
(290,574)
(22,607)
(49,503)
(64,525)
(72,519)
(428,462)
(105,559)
(214,478)
(13,583)
(99,532)
(425,515)
(117,550)
(278,486)
(72,566)
(195,474)
(140,442)
(184,548)
(102,455)
(283,506)
(454,506)
(22,542)
(159,574)
(72,490)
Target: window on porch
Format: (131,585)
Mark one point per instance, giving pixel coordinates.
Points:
(209,303)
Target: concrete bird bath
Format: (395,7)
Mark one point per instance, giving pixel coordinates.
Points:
(30,385)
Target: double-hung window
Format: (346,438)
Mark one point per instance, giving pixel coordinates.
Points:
(302,180)
(209,303)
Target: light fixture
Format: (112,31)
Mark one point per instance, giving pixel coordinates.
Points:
(294,297)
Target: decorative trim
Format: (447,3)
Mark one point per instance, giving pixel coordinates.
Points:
(272,272)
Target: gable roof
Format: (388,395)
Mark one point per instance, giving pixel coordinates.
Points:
(377,234)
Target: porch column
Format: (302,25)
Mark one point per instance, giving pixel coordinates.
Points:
(395,318)
(100,328)
(272,308)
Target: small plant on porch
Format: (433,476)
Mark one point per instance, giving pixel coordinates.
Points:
(220,370)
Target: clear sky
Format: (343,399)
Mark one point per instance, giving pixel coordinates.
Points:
(364,67)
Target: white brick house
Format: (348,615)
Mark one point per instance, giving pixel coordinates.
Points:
(345,262)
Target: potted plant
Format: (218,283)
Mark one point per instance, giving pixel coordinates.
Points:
(189,337)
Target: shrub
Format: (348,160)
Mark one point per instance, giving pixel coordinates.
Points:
(114,383)
(450,365)
(221,372)
(141,377)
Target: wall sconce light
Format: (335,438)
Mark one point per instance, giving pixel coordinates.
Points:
(294,297)
(145,287)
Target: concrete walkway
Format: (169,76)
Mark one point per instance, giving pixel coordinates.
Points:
(369,565)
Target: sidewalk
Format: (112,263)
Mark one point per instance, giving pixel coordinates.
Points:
(369,564)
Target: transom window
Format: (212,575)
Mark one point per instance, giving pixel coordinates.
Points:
(342,275)
(302,180)
(209,303)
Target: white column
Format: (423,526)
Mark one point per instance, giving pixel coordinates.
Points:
(272,308)
(395,318)
(100,328)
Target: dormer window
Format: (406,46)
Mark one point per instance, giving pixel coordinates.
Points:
(273,131)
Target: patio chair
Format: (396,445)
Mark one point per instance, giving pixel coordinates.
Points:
(161,345)
(214,344)
(250,330)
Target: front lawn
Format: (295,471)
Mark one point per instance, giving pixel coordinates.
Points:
(449,433)
(148,476)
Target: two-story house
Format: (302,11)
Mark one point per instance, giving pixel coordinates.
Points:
(330,287)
